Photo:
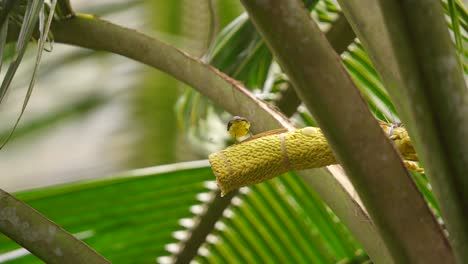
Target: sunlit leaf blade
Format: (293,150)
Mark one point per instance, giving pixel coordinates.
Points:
(463,16)
(323,16)
(369,83)
(453,12)
(331,7)
(457,19)
(127,219)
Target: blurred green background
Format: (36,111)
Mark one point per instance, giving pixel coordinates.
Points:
(93,113)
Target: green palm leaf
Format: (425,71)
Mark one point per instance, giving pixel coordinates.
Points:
(280,221)
(127,218)
(135,216)
(34,11)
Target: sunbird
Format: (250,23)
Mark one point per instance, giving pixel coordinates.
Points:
(238,127)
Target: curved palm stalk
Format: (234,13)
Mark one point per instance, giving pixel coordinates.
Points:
(42,237)
(340,36)
(411,48)
(89,32)
(64,9)
(205,225)
(358,143)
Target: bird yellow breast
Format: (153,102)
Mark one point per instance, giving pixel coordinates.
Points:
(239,128)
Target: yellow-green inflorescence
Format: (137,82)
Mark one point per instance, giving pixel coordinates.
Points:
(263,158)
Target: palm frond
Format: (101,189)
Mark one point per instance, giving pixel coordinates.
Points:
(7,6)
(240,52)
(361,69)
(456,27)
(129,217)
(29,22)
(253,228)
(34,11)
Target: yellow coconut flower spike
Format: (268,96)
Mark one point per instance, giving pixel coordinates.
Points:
(272,153)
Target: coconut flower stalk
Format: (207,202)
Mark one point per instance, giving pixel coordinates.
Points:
(273,153)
